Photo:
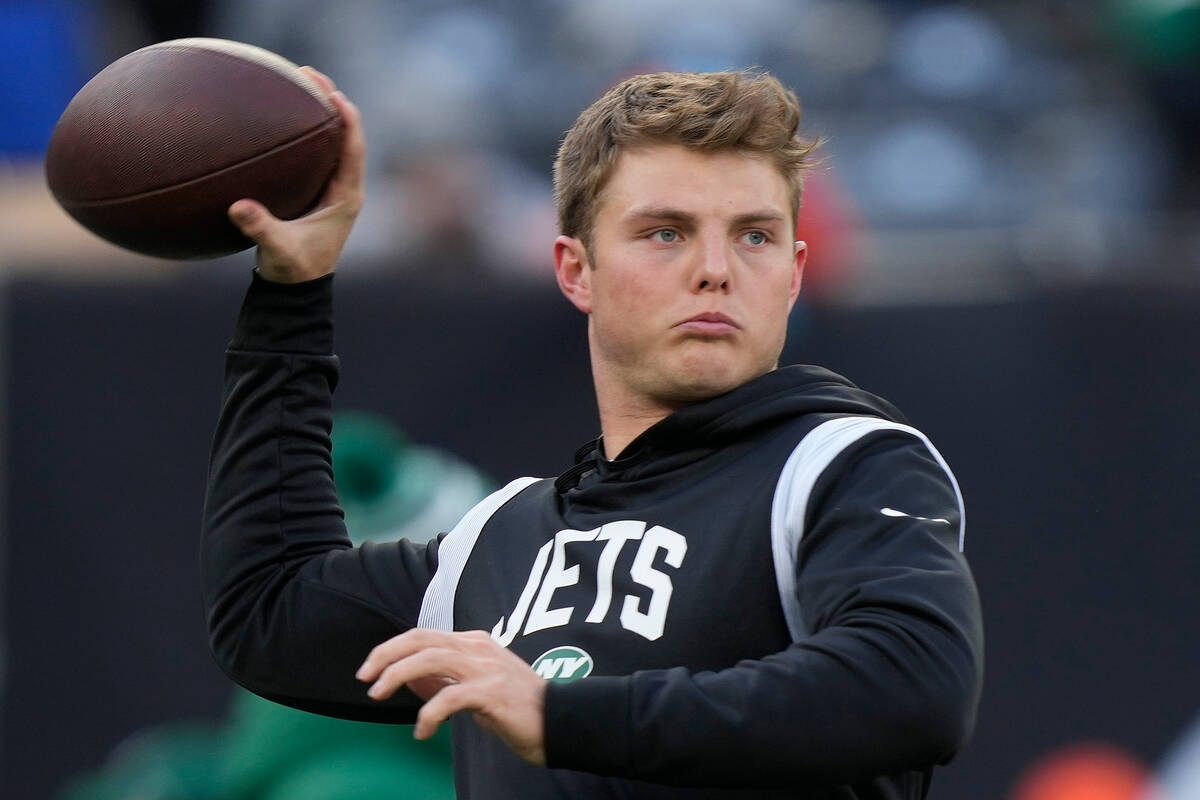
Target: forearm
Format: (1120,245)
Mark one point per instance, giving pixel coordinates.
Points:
(850,705)
(270,496)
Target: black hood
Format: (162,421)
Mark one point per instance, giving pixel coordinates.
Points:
(785,393)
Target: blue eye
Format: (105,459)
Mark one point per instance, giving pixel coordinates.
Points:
(666,235)
(756,238)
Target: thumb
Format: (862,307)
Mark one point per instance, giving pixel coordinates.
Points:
(252,219)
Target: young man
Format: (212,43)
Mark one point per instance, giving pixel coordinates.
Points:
(750,585)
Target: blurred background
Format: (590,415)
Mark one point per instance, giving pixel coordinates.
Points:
(1004,239)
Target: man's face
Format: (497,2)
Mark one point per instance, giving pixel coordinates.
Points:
(695,271)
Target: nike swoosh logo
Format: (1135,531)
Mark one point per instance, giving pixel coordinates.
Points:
(891,512)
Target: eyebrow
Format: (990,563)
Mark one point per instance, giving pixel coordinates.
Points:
(679,215)
(659,212)
(765,215)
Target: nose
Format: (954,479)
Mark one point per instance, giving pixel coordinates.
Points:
(712,270)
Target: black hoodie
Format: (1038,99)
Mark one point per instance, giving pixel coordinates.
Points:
(762,596)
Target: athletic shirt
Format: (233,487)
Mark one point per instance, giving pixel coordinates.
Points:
(763,596)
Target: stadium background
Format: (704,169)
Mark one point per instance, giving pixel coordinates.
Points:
(1005,243)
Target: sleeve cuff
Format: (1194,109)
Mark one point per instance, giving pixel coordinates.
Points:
(286,317)
(587,725)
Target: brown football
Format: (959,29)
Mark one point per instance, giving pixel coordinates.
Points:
(153,150)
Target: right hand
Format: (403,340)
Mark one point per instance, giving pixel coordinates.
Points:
(306,248)
(463,671)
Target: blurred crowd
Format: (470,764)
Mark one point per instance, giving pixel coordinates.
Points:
(974,148)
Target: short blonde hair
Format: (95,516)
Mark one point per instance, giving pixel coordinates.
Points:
(747,111)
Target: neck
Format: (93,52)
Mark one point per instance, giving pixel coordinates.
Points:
(619,427)
(624,415)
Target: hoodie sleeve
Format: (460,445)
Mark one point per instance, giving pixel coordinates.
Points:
(885,678)
(292,608)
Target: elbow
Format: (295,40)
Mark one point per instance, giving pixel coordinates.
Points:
(226,644)
(939,721)
(237,642)
(946,724)
(245,612)
(932,718)
(946,698)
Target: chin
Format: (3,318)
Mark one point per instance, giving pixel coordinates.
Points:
(710,380)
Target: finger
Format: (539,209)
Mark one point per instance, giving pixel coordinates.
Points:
(458,697)
(253,219)
(352,166)
(383,654)
(323,80)
(401,646)
(426,688)
(430,662)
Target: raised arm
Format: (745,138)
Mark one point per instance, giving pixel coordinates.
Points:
(292,608)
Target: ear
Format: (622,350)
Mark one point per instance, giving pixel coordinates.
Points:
(799,259)
(573,272)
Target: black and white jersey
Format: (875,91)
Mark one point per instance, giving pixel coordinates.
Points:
(762,596)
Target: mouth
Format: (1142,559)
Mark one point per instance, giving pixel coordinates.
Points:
(711,323)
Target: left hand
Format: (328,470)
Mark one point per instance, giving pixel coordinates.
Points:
(463,670)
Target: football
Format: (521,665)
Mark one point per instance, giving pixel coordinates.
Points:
(151,152)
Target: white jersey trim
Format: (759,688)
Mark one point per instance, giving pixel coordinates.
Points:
(437,606)
(800,474)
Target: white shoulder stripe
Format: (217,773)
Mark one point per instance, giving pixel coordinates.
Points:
(804,467)
(437,606)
